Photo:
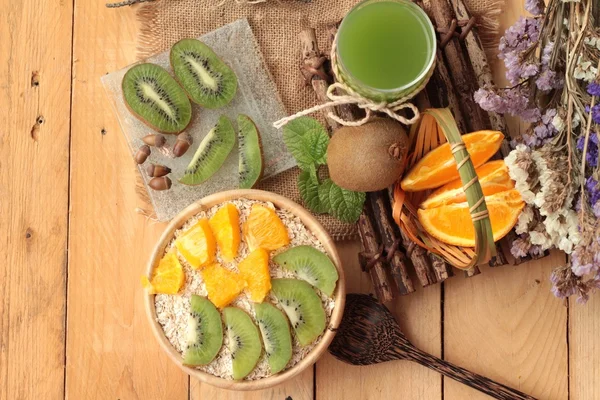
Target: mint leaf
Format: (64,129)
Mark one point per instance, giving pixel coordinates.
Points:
(308,185)
(307,140)
(343,204)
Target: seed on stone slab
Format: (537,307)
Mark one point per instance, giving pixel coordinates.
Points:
(182,144)
(142,154)
(154,140)
(160,183)
(156,171)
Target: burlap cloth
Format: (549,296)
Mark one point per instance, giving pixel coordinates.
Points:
(276,24)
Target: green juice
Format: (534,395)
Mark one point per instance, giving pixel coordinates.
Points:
(385,48)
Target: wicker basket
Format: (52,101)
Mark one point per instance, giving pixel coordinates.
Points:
(436,127)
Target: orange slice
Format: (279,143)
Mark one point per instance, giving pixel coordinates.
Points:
(167,277)
(225,226)
(452,223)
(255,271)
(197,245)
(264,229)
(438,167)
(493,177)
(222,285)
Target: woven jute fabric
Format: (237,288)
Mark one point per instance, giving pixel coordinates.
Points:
(276,25)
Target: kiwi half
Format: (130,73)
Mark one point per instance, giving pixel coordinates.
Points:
(310,265)
(244,341)
(251,160)
(154,97)
(204,332)
(204,76)
(276,335)
(211,153)
(302,306)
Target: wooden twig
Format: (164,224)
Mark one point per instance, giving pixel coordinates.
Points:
(126,3)
(382,215)
(371,244)
(460,69)
(313,71)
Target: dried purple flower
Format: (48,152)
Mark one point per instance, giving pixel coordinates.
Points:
(518,38)
(535,7)
(543,132)
(591,155)
(594,89)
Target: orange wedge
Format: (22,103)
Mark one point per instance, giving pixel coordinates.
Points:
(493,177)
(167,277)
(222,285)
(225,226)
(255,271)
(438,167)
(197,245)
(452,223)
(264,229)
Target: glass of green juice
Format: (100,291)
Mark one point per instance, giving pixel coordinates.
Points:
(385,49)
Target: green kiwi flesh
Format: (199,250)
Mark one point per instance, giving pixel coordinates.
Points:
(310,265)
(204,332)
(303,307)
(243,341)
(251,160)
(275,332)
(211,153)
(154,97)
(207,80)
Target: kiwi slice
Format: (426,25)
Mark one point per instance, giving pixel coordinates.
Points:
(204,76)
(244,341)
(153,96)
(204,332)
(311,265)
(251,161)
(211,153)
(302,306)
(276,335)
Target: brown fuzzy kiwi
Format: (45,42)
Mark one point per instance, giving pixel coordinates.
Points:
(368,158)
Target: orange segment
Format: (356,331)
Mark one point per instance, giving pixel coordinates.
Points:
(225,226)
(438,166)
(222,285)
(167,277)
(493,177)
(197,245)
(255,271)
(264,229)
(452,223)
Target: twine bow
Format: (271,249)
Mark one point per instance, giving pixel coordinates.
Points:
(346,95)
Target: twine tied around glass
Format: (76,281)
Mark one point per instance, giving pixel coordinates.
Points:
(339,93)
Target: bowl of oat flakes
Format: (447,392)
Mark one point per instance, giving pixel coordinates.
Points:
(245,289)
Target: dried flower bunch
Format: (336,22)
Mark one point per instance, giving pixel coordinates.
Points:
(552,61)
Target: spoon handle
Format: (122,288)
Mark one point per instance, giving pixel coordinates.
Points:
(476,381)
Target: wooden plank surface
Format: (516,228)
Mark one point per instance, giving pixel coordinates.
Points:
(584,349)
(419,315)
(35,80)
(503,323)
(111,353)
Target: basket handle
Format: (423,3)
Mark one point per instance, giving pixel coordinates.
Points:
(485,248)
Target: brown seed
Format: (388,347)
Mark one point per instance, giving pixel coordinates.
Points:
(182,144)
(157,171)
(142,154)
(155,140)
(161,183)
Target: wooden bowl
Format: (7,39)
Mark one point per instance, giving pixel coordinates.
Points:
(312,225)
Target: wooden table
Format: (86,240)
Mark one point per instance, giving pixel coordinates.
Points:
(72,250)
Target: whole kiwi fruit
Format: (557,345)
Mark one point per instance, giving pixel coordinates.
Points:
(368,158)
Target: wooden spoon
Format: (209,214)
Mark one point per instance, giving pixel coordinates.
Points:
(369,334)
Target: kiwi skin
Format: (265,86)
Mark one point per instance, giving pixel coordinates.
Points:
(248,133)
(368,158)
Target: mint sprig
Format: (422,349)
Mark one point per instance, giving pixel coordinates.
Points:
(307,140)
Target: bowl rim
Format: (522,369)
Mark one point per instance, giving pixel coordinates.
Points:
(313,226)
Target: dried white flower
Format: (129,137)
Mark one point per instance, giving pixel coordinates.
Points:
(524,220)
(558,123)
